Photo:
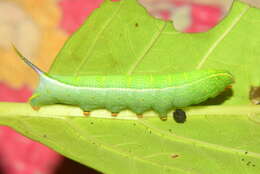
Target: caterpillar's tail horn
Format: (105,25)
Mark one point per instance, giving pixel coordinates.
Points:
(34,67)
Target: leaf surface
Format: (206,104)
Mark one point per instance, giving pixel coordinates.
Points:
(207,143)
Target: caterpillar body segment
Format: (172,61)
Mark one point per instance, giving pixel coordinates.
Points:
(139,93)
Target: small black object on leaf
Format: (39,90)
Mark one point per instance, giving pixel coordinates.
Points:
(179,116)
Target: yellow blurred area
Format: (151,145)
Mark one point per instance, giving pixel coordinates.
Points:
(33,27)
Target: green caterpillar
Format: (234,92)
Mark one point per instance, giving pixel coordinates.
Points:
(138,93)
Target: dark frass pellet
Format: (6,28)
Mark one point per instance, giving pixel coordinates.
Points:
(179,116)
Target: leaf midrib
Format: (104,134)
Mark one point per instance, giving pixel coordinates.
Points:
(109,20)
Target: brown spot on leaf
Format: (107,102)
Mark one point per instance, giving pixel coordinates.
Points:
(254,95)
(174,155)
(248,163)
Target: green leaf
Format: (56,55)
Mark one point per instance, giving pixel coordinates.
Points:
(226,140)
(114,44)
(121,38)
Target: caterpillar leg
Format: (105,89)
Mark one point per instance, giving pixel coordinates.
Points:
(162,110)
(228,87)
(114,109)
(139,110)
(87,109)
(163,118)
(86,113)
(36,108)
(114,114)
(162,113)
(140,115)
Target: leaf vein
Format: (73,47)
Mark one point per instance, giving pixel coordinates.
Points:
(97,37)
(147,49)
(217,42)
